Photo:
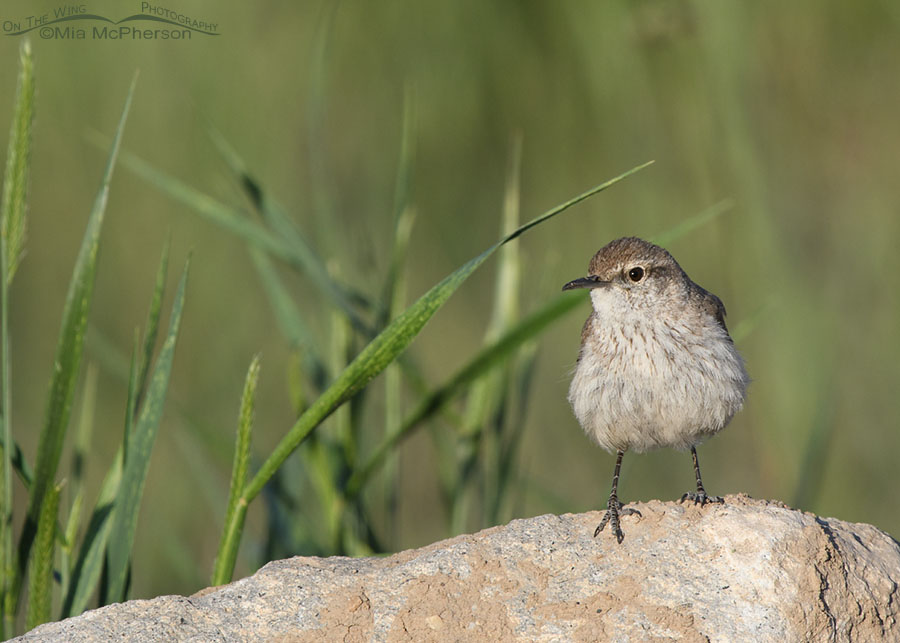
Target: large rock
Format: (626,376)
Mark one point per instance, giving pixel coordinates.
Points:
(748,570)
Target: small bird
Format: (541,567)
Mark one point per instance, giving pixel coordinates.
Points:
(657,367)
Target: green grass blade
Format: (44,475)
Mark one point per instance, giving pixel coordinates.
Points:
(329,457)
(486,398)
(40,588)
(393,298)
(77,486)
(321,461)
(506,483)
(142,358)
(86,573)
(12,239)
(152,327)
(549,214)
(403,210)
(382,350)
(393,398)
(506,289)
(85,430)
(68,353)
(316,110)
(15,180)
(223,569)
(137,460)
(133,393)
(341,349)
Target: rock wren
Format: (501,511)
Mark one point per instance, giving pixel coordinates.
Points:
(657,367)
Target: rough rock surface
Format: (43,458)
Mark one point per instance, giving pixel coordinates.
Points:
(748,570)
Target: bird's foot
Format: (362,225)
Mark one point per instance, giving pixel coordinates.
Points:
(700,498)
(614,510)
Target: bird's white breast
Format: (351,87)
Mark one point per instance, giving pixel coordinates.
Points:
(645,380)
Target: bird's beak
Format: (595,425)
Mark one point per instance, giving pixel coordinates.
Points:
(592,281)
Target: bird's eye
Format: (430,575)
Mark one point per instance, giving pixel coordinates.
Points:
(636,274)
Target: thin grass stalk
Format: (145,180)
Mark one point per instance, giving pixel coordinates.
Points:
(320,462)
(76,488)
(15,180)
(341,348)
(12,235)
(316,110)
(6,512)
(394,299)
(223,569)
(403,212)
(40,588)
(502,473)
(87,571)
(152,327)
(393,374)
(486,395)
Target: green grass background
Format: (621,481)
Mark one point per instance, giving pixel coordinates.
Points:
(788,109)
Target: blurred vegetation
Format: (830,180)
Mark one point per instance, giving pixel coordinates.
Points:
(786,110)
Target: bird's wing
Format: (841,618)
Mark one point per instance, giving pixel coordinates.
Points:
(714,306)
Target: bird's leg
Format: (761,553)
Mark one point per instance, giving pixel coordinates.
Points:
(614,508)
(700,495)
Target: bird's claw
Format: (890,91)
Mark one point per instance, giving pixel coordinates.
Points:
(613,511)
(700,498)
